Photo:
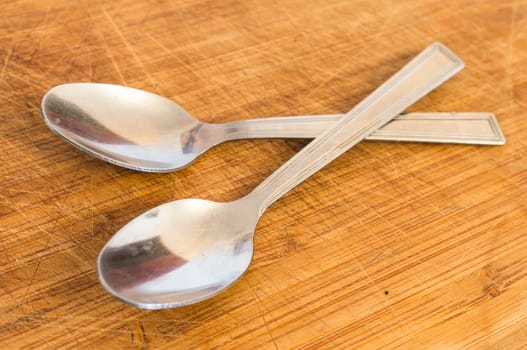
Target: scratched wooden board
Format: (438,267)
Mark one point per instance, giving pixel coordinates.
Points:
(392,245)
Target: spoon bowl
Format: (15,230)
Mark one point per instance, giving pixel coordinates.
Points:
(179,253)
(128,127)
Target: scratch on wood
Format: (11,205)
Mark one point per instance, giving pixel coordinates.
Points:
(286,13)
(158,43)
(143,334)
(42,27)
(510,56)
(32,279)
(128,45)
(6,61)
(262,314)
(105,45)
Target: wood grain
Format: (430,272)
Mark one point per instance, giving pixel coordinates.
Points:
(390,246)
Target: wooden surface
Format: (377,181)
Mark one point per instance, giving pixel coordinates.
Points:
(390,246)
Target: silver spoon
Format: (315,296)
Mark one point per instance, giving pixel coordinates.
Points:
(189,250)
(143,131)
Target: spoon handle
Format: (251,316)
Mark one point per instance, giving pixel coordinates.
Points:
(465,128)
(426,71)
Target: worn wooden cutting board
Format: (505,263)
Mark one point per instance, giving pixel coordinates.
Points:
(392,245)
